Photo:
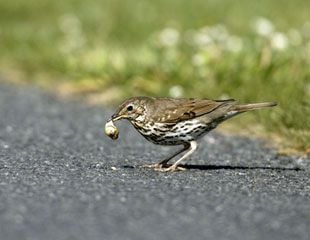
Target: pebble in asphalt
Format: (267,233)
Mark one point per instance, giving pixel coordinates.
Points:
(61,178)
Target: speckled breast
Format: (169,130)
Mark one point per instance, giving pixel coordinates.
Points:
(173,134)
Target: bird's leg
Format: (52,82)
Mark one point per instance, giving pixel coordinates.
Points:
(164,162)
(192,147)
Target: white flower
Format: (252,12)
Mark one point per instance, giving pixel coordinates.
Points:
(198,59)
(69,22)
(169,37)
(73,38)
(117,60)
(279,41)
(202,39)
(93,60)
(234,44)
(219,32)
(224,96)
(263,27)
(176,91)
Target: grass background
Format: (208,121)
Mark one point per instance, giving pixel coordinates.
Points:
(117,48)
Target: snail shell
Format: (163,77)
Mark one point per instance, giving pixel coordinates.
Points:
(111,130)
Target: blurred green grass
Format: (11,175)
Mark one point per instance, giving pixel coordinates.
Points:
(251,51)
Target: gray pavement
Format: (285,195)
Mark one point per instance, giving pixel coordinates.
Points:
(61,178)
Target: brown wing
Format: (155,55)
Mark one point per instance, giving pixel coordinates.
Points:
(176,110)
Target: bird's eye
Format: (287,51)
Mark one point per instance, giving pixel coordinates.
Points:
(129,108)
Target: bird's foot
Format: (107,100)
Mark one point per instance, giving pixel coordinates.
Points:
(164,167)
(172,168)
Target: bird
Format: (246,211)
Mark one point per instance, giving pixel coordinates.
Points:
(178,121)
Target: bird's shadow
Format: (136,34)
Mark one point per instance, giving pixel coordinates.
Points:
(228,167)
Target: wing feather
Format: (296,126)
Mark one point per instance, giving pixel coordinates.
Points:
(176,110)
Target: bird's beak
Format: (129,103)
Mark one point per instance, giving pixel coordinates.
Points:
(117,117)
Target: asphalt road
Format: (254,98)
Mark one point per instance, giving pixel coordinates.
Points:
(61,178)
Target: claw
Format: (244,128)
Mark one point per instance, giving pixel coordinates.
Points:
(164,167)
(172,168)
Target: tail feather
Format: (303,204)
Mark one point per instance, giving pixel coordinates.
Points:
(253,106)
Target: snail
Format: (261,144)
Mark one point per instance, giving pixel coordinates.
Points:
(111,130)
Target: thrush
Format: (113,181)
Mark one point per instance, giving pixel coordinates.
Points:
(170,121)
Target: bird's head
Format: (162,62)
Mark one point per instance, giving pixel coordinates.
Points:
(132,109)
